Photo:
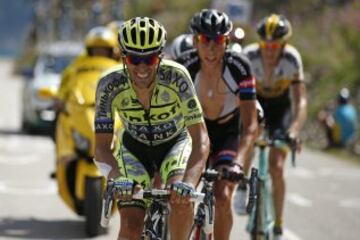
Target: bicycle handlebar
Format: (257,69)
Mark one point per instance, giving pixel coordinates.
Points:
(291,143)
(159,194)
(211,175)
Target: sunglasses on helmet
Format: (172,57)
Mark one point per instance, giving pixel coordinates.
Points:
(271,45)
(219,39)
(149,60)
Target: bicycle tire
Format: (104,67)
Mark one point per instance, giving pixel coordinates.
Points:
(199,234)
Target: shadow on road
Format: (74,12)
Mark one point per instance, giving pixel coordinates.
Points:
(33,228)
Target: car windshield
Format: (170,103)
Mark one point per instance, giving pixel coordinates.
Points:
(56,64)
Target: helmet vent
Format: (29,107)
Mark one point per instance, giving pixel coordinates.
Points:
(125,35)
(142,23)
(159,34)
(142,38)
(133,35)
(151,35)
(151,22)
(132,21)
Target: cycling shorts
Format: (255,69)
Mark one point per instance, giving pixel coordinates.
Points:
(139,162)
(277,118)
(224,140)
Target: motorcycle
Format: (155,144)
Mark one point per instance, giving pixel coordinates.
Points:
(79,181)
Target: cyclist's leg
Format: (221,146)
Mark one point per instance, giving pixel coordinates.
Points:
(172,169)
(277,157)
(132,213)
(223,192)
(224,140)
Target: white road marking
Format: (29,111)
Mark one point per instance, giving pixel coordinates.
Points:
(298,200)
(289,235)
(50,189)
(350,203)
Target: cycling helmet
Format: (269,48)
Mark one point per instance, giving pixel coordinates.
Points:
(142,36)
(211,23)
(344,96)
(274,27)
(181,44)
(100,37)
(115,26)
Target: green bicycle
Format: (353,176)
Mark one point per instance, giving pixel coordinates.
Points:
(261,220)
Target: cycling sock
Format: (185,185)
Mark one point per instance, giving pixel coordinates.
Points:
(278,223)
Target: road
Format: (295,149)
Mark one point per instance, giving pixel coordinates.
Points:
(323,199)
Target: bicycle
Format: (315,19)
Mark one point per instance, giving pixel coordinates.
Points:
(261,222)
(204,218)
(156,224)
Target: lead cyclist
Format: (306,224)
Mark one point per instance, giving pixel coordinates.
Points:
(164,130)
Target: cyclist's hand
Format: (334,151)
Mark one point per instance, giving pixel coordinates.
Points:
(124,188)
(294,140)
(181,192)
(232,173)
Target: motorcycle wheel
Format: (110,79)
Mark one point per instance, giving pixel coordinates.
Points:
(93,206)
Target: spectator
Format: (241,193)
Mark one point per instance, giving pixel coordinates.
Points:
(341,123)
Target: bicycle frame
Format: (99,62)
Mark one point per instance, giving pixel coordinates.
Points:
(205,214)
(261,220)
(156,221)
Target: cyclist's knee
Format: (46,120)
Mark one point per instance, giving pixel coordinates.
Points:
(132,222)
(223,192)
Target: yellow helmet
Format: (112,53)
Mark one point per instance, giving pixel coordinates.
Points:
(142,36)
(100,37)
(274,27)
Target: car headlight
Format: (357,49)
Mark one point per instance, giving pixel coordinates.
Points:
(81,142)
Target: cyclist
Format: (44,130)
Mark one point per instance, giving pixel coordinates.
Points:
(100,43)
(226,88)
(164,130)
(279,74)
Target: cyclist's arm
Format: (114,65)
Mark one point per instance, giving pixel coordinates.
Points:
(300,108)
(199,153)
(104,154)
(248,135)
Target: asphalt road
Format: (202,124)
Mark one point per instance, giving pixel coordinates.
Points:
(323,199)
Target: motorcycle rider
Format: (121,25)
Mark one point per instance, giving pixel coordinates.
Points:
(100,43)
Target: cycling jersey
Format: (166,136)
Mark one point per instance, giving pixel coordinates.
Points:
(240,83)
(274,95)
(289,70)
(173,105)
(237,76)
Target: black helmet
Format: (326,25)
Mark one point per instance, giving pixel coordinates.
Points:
(274,27)
(181,44)
(344,96)
(211,23)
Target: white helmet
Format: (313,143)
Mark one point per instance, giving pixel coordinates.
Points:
(181,44)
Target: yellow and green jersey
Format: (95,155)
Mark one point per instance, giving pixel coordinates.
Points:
(173,106)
